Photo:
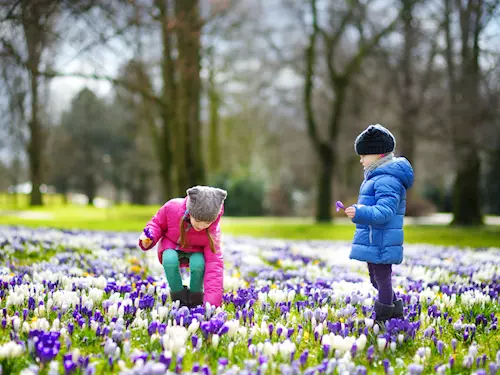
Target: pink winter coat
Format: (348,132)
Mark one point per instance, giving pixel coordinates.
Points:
(164,227)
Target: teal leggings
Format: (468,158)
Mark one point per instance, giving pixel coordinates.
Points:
(170,261)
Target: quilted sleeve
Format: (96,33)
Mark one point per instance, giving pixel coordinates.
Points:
(387,197)
(214,271)
(156,227)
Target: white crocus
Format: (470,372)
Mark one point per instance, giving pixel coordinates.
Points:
(230,348)
(215,341)
(11,350)
(193,327)
(381,343)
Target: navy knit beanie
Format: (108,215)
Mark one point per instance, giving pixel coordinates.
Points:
(375,140)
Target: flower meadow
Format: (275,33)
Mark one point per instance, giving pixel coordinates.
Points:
(81,302)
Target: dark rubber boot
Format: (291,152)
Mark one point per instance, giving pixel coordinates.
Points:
(398,312)
(196,299)
(383,312)
(182,295)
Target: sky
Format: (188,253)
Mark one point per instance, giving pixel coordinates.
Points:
(101,60)
(106,60)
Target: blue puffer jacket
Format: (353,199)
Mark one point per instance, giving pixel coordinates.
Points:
(379,213)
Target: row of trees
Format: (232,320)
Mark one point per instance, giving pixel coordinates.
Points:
(252,78)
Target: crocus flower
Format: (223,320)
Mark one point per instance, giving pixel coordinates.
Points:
(148,233)
(370,353)
(386,364)
(303,357)
(339,205)
(454,344)
(270,328)
(415,369)
(440,347)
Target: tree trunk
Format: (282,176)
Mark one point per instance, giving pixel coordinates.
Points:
(35,151)
(213,147)
(466,117)
(143,190)
(324,197)
(90,188)
(32,25)
(339,83)
(168,108)
(409,110)
(188,45)
(466,193)
(183,145)
(199,172)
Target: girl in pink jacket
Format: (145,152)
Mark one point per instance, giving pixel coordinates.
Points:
(188,235)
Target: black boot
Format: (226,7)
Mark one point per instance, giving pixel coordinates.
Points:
(196,299)
(398,312)
(181,295)
(383,312)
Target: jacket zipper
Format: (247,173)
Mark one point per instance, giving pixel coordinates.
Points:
(371,234)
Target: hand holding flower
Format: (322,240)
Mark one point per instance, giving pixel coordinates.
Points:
(146,238)
(350,212)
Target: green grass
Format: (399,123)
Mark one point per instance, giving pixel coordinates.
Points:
(21,201)
(133,218)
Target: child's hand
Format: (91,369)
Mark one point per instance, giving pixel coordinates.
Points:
(145,240)
(350,212)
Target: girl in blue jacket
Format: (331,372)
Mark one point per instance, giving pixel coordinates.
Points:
(379,213)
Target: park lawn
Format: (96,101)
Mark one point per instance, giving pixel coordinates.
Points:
(133,218)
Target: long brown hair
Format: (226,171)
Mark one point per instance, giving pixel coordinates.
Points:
(183,239)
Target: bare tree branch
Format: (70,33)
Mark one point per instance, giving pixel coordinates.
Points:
(426,80)
(309,79)
(356,61)
(293,62)
(331,41)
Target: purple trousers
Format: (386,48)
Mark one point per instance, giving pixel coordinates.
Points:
(380,277)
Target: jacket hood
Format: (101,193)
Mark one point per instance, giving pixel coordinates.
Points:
(399,167)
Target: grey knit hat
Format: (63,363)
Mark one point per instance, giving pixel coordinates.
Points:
(205,202)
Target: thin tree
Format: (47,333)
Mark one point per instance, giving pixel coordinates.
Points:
(35,20)
(466,106)
(339,82)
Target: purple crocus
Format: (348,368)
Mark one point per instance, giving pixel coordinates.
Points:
(167,360)
(454,344)
(415,369)
(194,341)
(303,357)
(47,344)
(69,365)
(370,353)
(440,347)
(148,233)
(279,331)
(223,361)
(339,205)
(354,349)
(493,368)
(386,364)
(451,361)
